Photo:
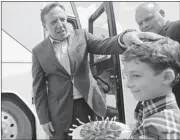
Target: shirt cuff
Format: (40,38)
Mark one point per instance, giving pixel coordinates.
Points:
(120,38)
(120,41)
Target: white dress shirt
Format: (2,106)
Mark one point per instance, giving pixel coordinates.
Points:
(62,54)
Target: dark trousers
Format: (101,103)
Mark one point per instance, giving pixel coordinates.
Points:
(81,110)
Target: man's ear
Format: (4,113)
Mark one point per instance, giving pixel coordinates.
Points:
(168,76)
(44,26)
(162,13)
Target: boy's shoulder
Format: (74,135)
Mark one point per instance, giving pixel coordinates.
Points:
(165,109)
(160,125)
(158,118)
(165,121)
(165,115)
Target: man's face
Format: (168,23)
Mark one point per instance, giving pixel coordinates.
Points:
(56,23)
(149,20)
(142,81)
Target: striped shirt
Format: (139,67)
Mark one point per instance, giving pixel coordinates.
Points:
(158,118)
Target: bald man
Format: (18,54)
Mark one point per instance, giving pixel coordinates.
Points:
(151,18)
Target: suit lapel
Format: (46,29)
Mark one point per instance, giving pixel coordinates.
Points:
(163,31)
(75,52)
(52,57)
(72,44)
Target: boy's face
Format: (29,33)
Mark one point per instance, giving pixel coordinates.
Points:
(142,81)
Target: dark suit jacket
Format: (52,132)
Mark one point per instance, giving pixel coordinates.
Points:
(52,85)
(172,30)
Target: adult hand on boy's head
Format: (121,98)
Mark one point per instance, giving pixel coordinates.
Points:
(149,36)
(135,37)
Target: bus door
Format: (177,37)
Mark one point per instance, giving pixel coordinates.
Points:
(106,68)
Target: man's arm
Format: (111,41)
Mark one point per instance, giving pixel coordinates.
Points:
(39,90)
(178,32)
(117,44)
(103,46)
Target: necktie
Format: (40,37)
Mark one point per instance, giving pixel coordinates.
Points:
(64,56)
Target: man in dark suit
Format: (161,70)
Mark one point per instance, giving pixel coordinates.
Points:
(63,85)
(150,18)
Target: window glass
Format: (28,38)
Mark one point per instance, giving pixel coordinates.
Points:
(125,13)
(100,29)
(104,63)
(12,51)
(22,21)
(85,10)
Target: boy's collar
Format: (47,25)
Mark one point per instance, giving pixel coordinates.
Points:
(146,108)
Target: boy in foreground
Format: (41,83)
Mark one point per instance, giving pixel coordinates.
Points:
(153,68)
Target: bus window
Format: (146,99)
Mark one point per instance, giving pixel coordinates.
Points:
(24,24)
(125,13)
(89,7)
(100,29)
(13,51)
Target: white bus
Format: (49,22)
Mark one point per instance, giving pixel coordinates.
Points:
(21,30)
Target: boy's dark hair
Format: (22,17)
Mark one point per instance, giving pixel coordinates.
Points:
(159,55)
(48,7)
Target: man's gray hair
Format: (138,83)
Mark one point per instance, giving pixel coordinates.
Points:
(48,7)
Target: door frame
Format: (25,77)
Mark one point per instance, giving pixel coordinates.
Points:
(107,7)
